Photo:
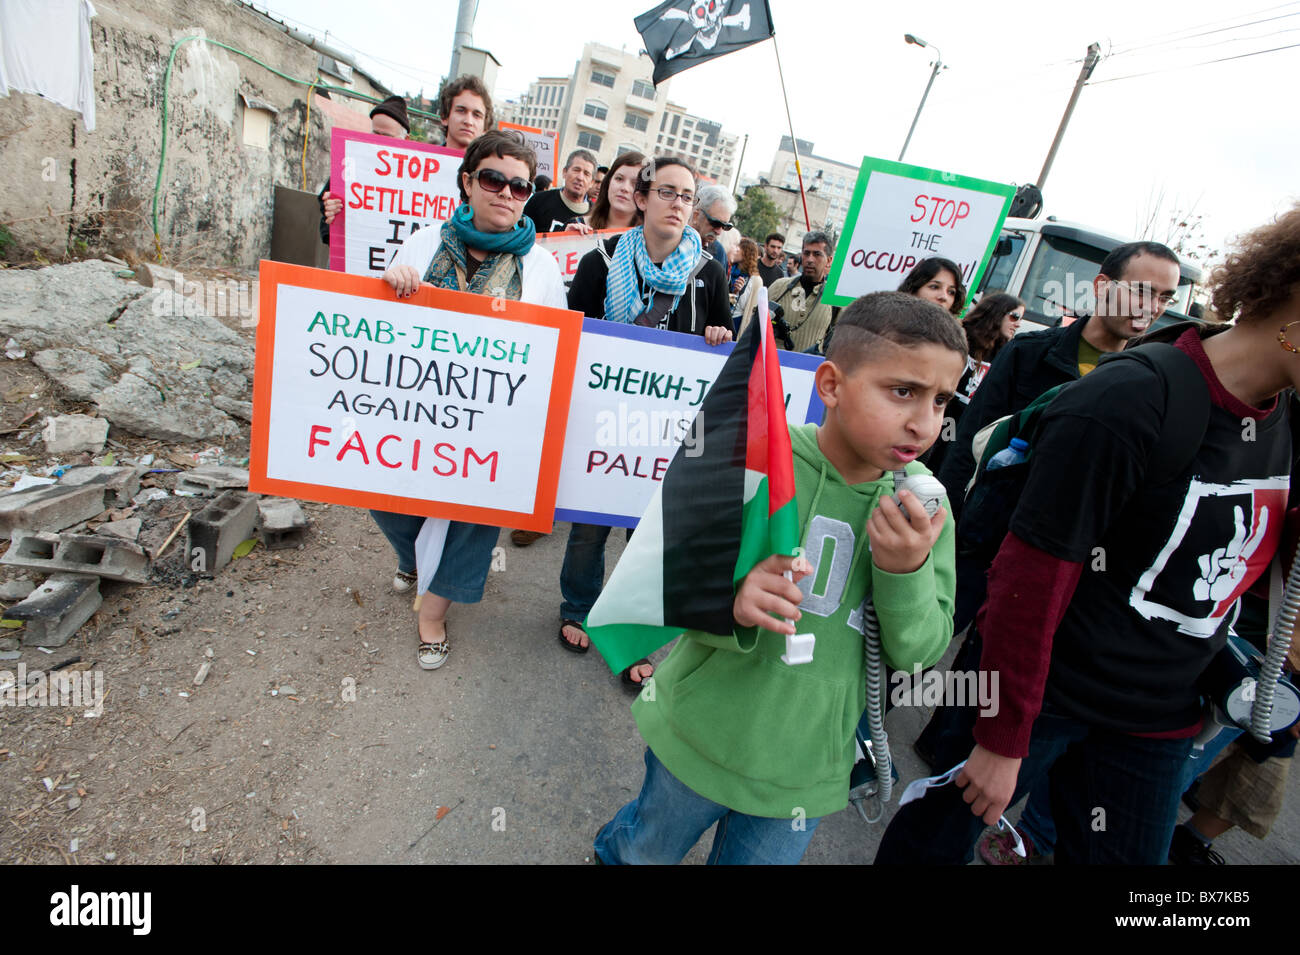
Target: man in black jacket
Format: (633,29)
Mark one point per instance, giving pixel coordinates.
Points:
(1135,284)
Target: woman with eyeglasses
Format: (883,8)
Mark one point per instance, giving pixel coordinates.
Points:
(487,248)
(653,275)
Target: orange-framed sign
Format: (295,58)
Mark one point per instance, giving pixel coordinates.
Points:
(543,145)
(568,248)
(444,404)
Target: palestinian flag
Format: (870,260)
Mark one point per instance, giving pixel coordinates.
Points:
(726,503)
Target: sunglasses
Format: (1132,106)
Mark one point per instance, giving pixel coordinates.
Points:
(494,182)
(720,226)
(917,787)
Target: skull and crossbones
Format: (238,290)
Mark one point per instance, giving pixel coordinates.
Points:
(706,16)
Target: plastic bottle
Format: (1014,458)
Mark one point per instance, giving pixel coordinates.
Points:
(1012,454)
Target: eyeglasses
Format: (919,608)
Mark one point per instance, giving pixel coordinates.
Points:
(720,226)
(1142,291)
(917,787)
(670,195)
(494,182)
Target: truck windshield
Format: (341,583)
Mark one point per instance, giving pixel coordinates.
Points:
(1059,282)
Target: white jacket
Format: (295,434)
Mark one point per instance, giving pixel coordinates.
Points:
(542,284)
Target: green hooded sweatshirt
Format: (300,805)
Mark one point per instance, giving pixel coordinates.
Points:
(738,726)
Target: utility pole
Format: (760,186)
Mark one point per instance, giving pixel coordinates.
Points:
(743,147)
(464,34)
(1089,64)
(938,65)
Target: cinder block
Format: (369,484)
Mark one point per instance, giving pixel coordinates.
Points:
(219,528)
(212,478)
(120,484)
(79,554)
(281,523)
(49,508)
(75,432)
(57,608)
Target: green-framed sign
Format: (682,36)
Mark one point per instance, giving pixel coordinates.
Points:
(901,214)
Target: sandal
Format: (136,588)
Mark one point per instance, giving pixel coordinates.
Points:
(626,675)
(573,647)
(432,655)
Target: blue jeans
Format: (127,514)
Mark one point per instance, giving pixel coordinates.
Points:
(583,573)
(1114,799)
(466,557)
(662,824)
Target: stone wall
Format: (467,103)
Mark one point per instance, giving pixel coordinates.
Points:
(72,191)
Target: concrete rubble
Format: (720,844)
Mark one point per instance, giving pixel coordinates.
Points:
(75,432)
(151,360)
(128,360)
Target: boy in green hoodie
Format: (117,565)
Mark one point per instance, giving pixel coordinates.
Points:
(738,737)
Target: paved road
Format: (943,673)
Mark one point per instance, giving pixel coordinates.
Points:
(532,747)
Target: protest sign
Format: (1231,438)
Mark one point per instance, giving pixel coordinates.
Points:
(543,144)
(444,404)
(901,214)
(390,188)
(569,248)
(635,395)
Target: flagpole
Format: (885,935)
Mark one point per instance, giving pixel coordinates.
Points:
(794,144)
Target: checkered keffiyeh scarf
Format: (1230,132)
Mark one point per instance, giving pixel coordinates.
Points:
(623,298)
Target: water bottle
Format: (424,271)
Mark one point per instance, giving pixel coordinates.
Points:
(1012,454)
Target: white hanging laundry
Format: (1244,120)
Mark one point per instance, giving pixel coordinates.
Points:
(45,49)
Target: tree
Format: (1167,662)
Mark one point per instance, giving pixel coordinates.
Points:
(1175,223)
(757,215)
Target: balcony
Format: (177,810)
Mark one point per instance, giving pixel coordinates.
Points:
(641,105)
(592,123)
(613,59)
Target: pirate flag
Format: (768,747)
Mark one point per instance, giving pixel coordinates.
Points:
(680,34)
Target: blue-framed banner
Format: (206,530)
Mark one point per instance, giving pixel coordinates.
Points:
(636,393)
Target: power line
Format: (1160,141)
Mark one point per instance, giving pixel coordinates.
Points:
(1172,69)
(1192,36)
(1183,33)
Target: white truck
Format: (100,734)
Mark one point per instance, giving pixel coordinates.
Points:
(1050,265)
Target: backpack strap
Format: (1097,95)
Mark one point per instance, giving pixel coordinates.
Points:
(1187,407)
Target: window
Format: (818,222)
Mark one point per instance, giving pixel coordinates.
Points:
(602,79)
(663,121)
(588,140)
(625,149)
(635,122)
(643,89)
(595,110)
(673,131)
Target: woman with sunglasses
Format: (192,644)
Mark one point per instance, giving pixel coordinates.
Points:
(487,248)
(989,325)
(654,275)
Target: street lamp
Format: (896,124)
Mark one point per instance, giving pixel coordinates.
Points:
(938,65)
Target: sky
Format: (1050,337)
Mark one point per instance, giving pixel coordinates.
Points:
(1159,131)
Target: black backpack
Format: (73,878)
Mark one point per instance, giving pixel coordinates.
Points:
(993,495)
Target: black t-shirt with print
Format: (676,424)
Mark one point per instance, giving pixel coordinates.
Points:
(1162,565)
(549,211)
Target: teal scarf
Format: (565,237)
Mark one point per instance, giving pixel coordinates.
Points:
(499,274)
